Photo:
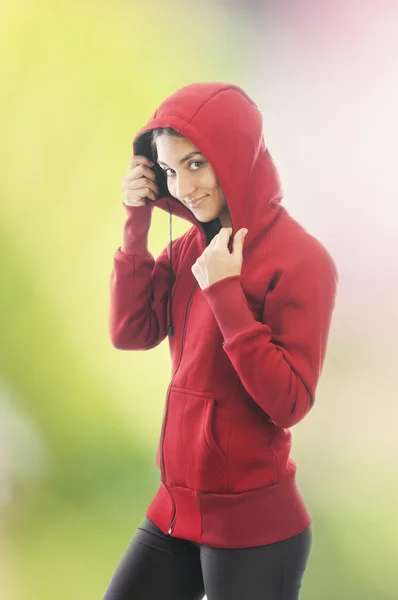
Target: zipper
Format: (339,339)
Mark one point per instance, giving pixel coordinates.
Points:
(162,465)
(170,530)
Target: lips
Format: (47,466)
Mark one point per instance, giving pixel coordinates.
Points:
(196,202)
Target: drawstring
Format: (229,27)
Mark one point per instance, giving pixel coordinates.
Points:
(214,228)
(170,328)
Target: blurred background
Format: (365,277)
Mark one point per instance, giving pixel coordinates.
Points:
(79,420)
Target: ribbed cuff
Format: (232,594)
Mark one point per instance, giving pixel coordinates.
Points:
(229,306)
(136,229)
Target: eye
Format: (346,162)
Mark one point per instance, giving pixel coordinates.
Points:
(198,164)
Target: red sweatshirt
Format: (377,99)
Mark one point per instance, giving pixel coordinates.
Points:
(246,352)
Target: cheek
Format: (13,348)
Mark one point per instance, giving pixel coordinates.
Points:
(208,182)
(171,186)
(223,200)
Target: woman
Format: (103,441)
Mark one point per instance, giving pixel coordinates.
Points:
(247,319)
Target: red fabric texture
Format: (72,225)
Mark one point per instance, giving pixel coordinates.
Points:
(247,351)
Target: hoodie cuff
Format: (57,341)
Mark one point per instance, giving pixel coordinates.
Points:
(136,229)
(230,307)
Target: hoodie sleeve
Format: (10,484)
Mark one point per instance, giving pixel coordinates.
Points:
(279,360)
(139,287)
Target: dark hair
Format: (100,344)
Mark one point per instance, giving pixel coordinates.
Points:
(212,227)
(156,133)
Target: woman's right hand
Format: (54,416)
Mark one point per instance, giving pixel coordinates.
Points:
(139,182)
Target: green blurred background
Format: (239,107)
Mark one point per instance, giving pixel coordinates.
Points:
(79,420)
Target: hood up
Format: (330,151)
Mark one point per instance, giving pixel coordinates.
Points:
(225,124)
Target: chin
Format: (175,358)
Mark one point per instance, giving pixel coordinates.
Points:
(205,216)
(206,219)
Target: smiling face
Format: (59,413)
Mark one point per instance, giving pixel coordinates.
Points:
(190,178)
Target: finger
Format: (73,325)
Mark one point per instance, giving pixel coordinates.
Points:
(140,160)
(142,182)
(151,195)
(134,202)
(141,171)
(143,192)
(147,193)
(137,184)
(223,236)
(239,238)
(212,242)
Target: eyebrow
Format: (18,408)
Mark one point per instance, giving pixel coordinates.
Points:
(187,157)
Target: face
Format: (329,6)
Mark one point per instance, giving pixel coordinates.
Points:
(190,178)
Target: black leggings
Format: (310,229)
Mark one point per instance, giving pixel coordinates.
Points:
(160,567)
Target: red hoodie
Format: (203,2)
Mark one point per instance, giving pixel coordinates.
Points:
(246,352)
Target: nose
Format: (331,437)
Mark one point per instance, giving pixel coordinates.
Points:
(185,187)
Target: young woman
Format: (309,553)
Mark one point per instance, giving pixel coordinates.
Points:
(246,298)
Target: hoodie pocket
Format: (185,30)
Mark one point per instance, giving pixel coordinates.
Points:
(196,441)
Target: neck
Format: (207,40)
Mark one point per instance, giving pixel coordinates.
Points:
(225,218)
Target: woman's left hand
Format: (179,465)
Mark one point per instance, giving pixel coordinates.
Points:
(217,262)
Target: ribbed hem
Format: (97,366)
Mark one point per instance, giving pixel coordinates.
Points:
(248,519)
(230,307)
(136,229)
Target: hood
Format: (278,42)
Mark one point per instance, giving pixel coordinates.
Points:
(225,124)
